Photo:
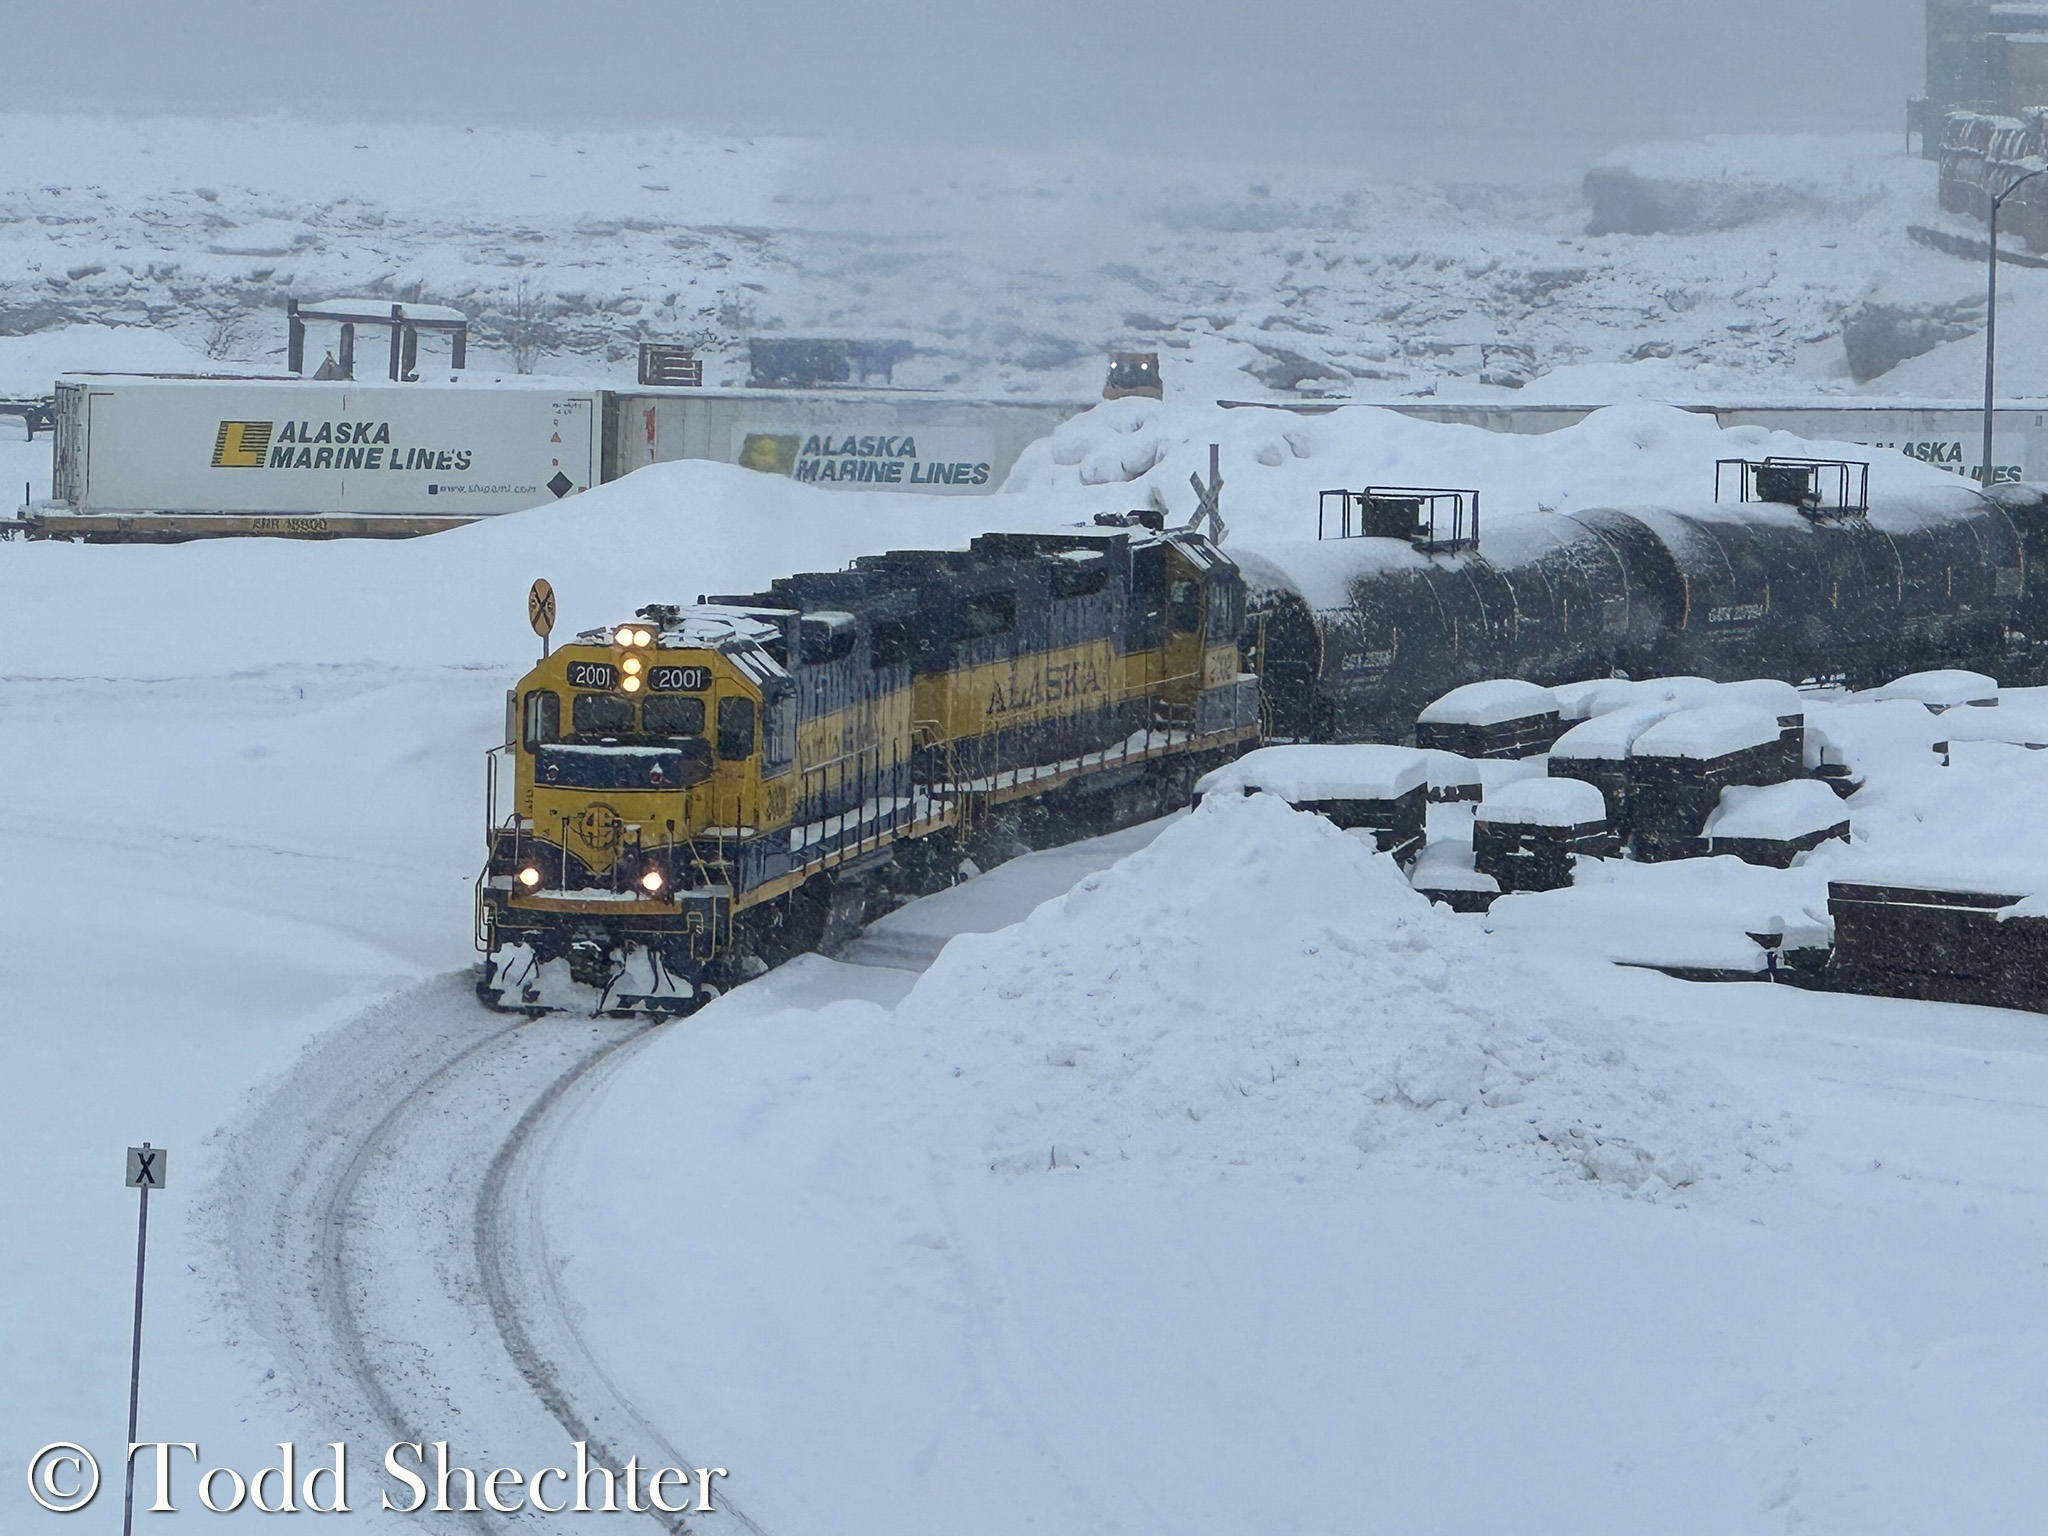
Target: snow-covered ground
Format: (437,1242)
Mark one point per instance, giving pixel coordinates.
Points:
(1236,1186)
(1201,1177)
(1008,273)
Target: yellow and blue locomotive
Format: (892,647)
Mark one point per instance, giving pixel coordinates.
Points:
(700,792)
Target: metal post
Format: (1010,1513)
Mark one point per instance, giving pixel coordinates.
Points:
(135,1357)
(1990,341)
(1991,317)
(295,338)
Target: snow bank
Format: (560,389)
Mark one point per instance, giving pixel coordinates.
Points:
(1305,773)
(1125,453)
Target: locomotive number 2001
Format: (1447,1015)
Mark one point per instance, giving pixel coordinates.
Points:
(678,679)
(593,674)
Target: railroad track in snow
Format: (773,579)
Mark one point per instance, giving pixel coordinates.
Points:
(383,1222)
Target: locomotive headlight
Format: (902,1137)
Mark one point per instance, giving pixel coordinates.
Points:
(631,666)
(630,684)
(643,637)
(652,882)
(529,877)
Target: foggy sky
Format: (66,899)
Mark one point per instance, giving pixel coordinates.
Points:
(1462,87)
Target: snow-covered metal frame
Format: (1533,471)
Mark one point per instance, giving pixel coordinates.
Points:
(1437,520)
(1819,488)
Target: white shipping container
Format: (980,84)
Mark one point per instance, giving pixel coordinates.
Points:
(866,440)
(300,448)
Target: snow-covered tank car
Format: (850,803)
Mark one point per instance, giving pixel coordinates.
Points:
(1354,637)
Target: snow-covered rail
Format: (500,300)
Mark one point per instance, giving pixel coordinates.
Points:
(382,1226)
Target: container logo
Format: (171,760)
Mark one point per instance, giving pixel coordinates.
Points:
(241,444)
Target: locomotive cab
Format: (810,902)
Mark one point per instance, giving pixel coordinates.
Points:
(631,745)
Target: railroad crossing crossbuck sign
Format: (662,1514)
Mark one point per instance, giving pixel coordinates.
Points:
(148,1167)
(540,610)
(1209,499)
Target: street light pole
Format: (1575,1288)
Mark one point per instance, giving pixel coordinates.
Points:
(1991,319)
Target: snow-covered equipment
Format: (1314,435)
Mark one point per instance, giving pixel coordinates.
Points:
(1773,824)
(699,792)
(1500,717)
(1679,766)
(1953,945)
(1527,834)
(1822,490)
(1381,789)
(1434,520)
(1133,373)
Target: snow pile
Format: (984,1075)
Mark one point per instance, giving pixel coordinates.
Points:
(1307,773)
(1257,989)
(1125,454)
